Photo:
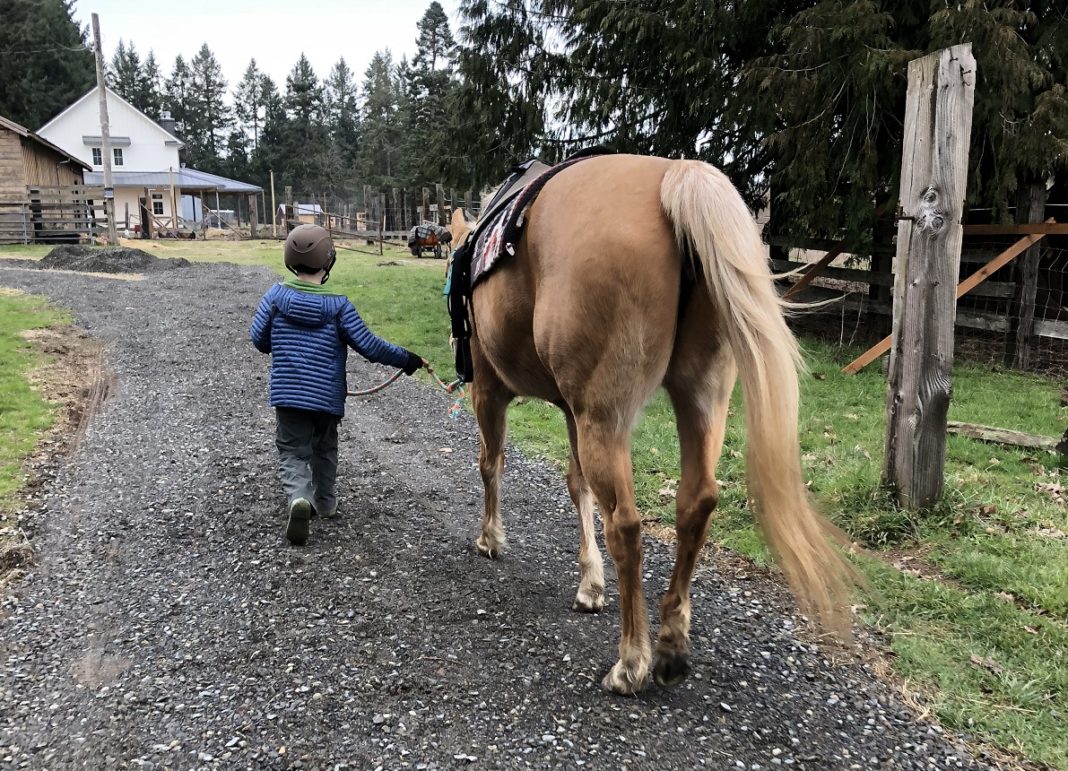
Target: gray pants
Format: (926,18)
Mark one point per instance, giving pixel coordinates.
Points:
(307,449)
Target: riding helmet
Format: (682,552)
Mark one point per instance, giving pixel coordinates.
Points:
(309,249)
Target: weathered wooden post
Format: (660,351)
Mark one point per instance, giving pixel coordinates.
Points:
(938,120)
(439,194)
(424,215)
(253,215)
(1030,208)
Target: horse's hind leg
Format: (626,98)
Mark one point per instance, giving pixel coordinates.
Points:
(604,452)
(489,399)
(590,596)
(700,396)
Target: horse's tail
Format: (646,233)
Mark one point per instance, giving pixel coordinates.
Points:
(713,224)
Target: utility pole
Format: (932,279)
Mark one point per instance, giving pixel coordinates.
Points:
(105,137)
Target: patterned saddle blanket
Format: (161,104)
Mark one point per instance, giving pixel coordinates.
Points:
(500,235)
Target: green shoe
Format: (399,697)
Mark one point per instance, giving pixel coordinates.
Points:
(297,529)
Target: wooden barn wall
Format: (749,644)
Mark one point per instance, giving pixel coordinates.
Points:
(45,167)
(12,173)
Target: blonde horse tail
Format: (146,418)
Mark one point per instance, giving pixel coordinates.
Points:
(714,226)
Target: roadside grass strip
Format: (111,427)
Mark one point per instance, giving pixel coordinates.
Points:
(25,416)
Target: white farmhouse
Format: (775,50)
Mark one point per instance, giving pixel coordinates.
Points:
(150,182)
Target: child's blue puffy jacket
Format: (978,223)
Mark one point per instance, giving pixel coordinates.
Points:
(307,331)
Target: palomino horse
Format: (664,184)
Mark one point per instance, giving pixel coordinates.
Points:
(635,272)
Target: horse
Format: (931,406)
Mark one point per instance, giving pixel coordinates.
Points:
(632,273)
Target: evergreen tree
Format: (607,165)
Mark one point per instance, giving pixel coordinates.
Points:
(45,60)
(428,86)
(506,78)
(209,116)
(124,75)
(150,94)
(270,151)
(249,104)
(831,101)
(434,43)
(305,138)
(381,148)
(342,119)
(177,94)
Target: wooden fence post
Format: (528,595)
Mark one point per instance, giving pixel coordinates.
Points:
(425,213)
(1031,207)
(439,192)
(934,171)
(253,215)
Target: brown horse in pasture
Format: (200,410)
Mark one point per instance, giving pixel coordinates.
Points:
(633,273)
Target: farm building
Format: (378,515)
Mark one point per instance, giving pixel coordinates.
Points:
(29,163)
(154,193)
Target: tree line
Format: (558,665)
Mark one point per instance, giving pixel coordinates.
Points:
(801,103)
(319,135)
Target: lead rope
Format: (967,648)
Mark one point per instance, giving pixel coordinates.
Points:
(456,386)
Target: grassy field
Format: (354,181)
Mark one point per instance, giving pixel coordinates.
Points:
(973,596)
(24,415)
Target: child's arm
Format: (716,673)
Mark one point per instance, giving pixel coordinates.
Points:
(356,335)
(260,333)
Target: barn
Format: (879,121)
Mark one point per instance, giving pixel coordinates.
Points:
(30,163)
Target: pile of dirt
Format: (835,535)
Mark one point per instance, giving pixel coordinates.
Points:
(88,259)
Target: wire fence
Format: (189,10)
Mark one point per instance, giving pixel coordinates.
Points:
(1017,318)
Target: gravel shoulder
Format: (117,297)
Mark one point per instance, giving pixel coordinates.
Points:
(167,624)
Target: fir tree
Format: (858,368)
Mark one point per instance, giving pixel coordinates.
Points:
(124,75)
(270,151)
(381,148)
(209,116)
(150,94)
(428,87)
(504,89)
(305,139)
(177,94)
(342,119)
(434,43)
(45,60)
(831,101)
(249,103)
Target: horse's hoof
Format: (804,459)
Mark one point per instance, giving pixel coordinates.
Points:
(671,669)
(588,602)
(624,681)
(493,552)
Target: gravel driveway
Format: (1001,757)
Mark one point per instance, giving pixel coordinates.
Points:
(167,624)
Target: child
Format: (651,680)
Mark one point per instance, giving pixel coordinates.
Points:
(307,330)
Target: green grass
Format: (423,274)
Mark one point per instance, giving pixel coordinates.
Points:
(24,415)
(989,642)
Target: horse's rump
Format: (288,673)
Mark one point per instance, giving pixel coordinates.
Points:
(554,301)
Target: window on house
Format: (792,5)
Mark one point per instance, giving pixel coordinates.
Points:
(157,204)
(118,156)
(98,157)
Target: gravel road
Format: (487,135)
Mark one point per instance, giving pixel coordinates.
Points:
(167,624)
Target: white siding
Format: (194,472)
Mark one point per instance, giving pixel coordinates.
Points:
(147,151)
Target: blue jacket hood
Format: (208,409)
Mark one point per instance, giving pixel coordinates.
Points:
(304,310)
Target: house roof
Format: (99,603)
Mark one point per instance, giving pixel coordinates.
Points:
(25,132)
(92,92)
(185,178)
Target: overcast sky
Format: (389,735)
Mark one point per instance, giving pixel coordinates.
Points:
(273,32)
